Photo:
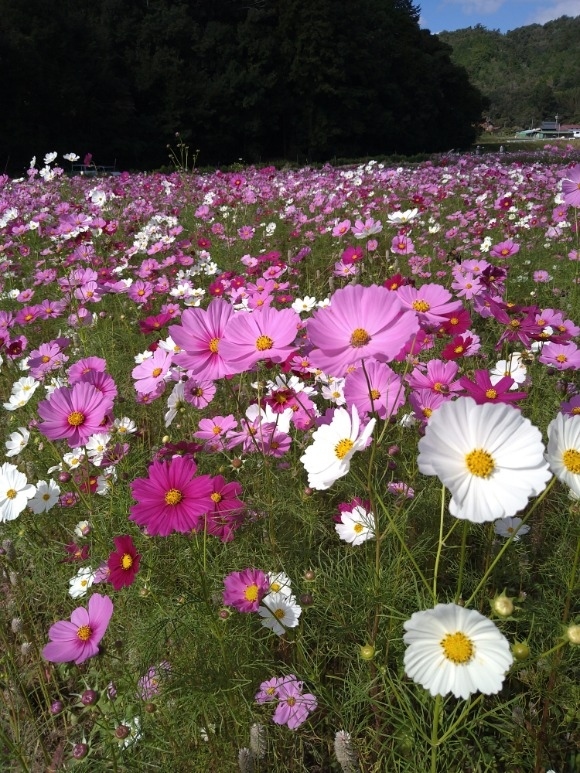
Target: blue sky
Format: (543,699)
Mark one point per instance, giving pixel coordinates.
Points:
(439,15)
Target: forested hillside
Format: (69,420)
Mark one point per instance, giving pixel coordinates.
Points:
(283,79)
(529,74)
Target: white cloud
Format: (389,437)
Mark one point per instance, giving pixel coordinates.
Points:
(560,8)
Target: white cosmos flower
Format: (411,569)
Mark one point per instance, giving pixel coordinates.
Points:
(279,612)
(15,491)
(455,650)
(508,527)
(17,441)
(490,457)
(46,497)
(280,583)
(81,582)
(564,450)
(356,527)
(328,458)
(513,367)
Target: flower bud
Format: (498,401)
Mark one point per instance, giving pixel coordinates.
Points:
(503,605)
(573,633)
(89,697)
(80,751)
(367,651)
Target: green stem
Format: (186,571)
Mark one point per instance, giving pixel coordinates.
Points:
(508,542)
(435,732)
(439,544)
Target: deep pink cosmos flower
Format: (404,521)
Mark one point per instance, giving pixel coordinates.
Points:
(571,186)
(123,562)
(484,391)
(360,323)
(73,413)
(245,590)
(79,639)
(264,334)
(199,336)
(171,498)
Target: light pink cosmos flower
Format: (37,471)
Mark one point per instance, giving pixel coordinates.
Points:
(74,413)
(571,187)
(432,302)
(360,323)
(264,334)
(150,373)
(79,639)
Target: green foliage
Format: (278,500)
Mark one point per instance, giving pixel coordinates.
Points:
(529,74)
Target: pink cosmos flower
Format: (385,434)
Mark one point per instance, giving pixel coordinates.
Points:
(171,498)
(571,187)
(505,249)
(79,639)
(199,336)
(149,373)
(123,563)
(432,302)
(73,413)
(294,706)
(264,334)
(560,356)
(360,323)
(375,388)
(245,590)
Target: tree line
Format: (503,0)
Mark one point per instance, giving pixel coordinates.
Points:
(260,80)
(529,74)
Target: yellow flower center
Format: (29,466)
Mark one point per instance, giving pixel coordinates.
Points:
(342,448)
(126,561)
(491,394)
(480,463)
(156,372)
(359,338)
(84,632)
(457,647)
(571,459)
(213,345)
(251,593)
(420,305)
(263,343)
(216,497)
(76,418)
(173,497)
(11,493)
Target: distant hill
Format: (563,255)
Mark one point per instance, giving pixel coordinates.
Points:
(529,74)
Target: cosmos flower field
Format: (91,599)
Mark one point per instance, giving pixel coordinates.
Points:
(291,467)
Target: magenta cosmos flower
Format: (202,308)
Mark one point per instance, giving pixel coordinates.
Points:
(79,639)
(571,186)
(245,590)
(264,334)
(199,336)
(74,413)
(171,498)
(123,563)
(360,323)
